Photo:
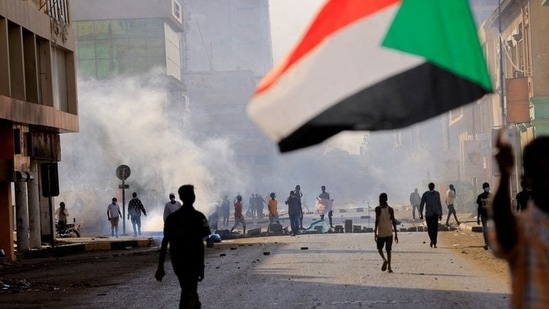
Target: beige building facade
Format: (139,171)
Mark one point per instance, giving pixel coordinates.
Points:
(517,51)
(38,101)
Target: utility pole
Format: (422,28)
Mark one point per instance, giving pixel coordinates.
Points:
(123,172)
(501,72)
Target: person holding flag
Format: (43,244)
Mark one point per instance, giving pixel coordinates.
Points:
(325,204)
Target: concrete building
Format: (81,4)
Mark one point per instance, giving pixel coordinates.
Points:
(123,40)
(127,37)
(130,37)
(516,44)
(456,147)
(229,51)
(520,102)
(38,101)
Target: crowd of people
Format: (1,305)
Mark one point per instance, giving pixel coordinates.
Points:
(256,210)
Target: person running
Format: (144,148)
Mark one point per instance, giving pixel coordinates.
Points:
(450,199)
(383,231)
(433,212)
(483,200)
(238,216)
(522,239)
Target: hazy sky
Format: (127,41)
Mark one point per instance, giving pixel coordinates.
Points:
(289,19)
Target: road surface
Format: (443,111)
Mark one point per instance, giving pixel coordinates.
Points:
(306,271)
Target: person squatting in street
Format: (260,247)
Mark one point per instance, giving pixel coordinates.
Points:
(523,238)
(184,232)
(383,231)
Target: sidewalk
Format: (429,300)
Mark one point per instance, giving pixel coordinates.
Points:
(72,245)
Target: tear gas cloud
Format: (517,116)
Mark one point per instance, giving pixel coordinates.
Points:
(128,121)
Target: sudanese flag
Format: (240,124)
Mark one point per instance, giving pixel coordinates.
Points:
(372,65)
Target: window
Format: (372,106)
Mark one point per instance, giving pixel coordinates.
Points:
(59,10)
(176,11)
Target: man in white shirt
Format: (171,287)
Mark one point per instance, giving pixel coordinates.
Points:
(450,199)
(113,214)
(171,206)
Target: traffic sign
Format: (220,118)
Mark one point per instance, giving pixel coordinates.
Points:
(123,172)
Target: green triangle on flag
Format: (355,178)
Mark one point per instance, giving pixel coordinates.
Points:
(443,32)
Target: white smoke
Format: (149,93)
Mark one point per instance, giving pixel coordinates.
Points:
(131,121)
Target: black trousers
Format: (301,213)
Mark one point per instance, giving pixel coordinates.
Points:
(432,228)
(189,292)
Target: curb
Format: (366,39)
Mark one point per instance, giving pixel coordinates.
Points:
(67,249)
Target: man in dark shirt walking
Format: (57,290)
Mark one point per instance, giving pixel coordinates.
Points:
(483,200)
(135,208)
(184,231)
(433,212)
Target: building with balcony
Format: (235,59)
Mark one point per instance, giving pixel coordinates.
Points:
(38,102)
(516,46)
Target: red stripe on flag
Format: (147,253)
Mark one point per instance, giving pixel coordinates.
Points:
(335,15)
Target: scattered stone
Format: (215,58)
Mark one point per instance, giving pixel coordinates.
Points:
(476,229)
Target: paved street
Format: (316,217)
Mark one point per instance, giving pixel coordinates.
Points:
(314,271)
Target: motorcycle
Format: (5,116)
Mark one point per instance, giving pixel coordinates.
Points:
(70,230)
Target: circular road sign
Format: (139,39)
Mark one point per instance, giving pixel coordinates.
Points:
(123,172)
